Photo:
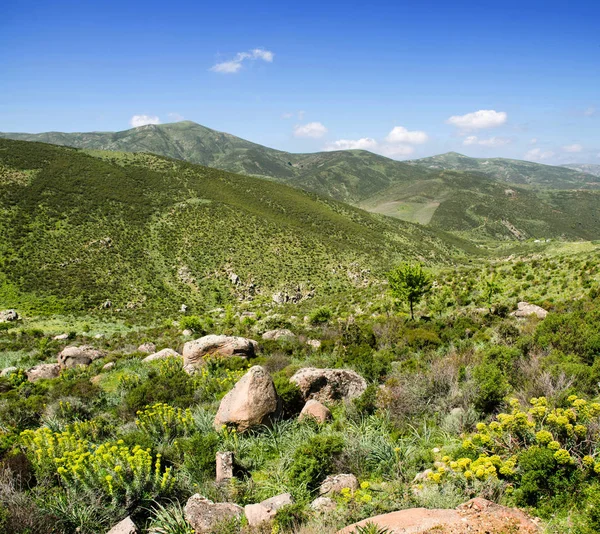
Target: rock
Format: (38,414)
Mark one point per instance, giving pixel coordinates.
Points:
(224,466)
(314,343)
(61,337)
(195,351)
(127,526)
(8,316)
(329,385)
(524,309)
(187,332)
(457,412)
(83,355)
(98,336)
(275,335)
(323,504)
(279,298)
(205,516)
(106,305)
(96,379)
(108,366)
(234,279)
(43,370)
(477,515)
(265,511)
(336,483)
(422,476)
(161,355)
(147,347)
(313,408)
(183,308)
(8,371)
(253,401)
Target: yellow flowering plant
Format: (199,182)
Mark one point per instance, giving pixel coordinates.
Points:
(162,421)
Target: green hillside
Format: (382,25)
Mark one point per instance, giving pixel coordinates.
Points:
(588,168)
(79,228)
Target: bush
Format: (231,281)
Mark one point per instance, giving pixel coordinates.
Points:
(320,315)
(313,461)
(491,387)
(290,394)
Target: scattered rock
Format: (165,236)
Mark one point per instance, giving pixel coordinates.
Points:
(329,385)
(323,504)
(83,355)
(275,335)
(314,343)
(248,315)
(265,511)
(525,309)
(224,466)
(187,332)
(205,516)
(96,379)
(336,483)
(476,515)
(253,401)
(147,347)
(195,351)
(8,316)
(127,526)
(422,476)
(183,308)
(8,370)
(43,370)
(61,337)
(234,279)
(108,366)
(313,408)
(161,355)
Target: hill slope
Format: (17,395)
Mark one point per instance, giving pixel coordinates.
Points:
(141,230)
(588,168)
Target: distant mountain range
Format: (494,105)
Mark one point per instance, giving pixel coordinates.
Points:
(589,168)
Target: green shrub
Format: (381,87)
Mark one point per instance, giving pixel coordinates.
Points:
(320,315)
(313,461)
(491,387)
(290,394)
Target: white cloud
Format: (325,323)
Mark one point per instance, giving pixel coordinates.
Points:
(142,120)
(491,142)
(175,117)
(478,120)
(299,114)
(533,141)
(537,154)
(392,151)
(589,112)
(399,134)
(312,129)
(235,64)
(366,143)
(287,115)
(572,148)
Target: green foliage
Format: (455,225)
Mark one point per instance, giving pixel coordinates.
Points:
(491,387)
(409,282)
(312,461)
(290,394)
(169,519)
(320,315)
(371,528)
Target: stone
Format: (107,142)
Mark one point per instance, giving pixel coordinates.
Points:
(205,515)
(314,409)
(281,333)
(329,385)
(96,379)
(194,352)
(8,371)
(147,347)
(108,366)
(265,511)
(253,401)
(127,526)
(314,343)
(161,355)
(224,466)
(187,332)
(336,483)
(43,370)
(525,309)
(73,356)
(8,316)
(61,337)
(323,504)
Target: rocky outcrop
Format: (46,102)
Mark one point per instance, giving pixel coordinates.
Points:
(329,385)
(127,526)
(336,483)
(477,515)
(315,410)
(43,371)
(161,355)
(83,355)
(8,371)
(265,511)
(281,333)
(525,309)
(205,516)
(8,316)
(323,505)
(148,347)
(253,401)
(224,464)
(194,352)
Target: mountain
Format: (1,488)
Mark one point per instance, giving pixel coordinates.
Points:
(511,171)
(78,228)
(588,168)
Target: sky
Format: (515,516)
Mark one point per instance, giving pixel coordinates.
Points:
(403,79)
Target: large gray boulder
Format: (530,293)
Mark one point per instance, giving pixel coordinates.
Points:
(329,385)
(253,401)
(43,371)
(265,511)
(194,352)
(83,355)
(205,516)
(525,309)
(161,355)
(127,526)
(7,316)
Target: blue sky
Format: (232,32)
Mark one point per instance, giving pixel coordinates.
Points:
(406,79)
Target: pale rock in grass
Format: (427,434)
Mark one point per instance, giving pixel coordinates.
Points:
(43,371)
(187,332)
(336,483)
(161,355)
(329,385)
(8,371)
(314,343)
(525,309)
(265,511)
(108,366)
(147,347)
(73,356)
(205,515)
(323,505)
(61,337)
(276,335)
(8,316)
(224,461)
(315,410)
(194,352)
(127,526)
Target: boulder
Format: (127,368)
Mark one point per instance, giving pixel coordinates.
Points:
(43,370)
(148,347)
(323,504)
(61,337)
(161,355)
(96,380)
(336,483)
(314,343)
(195,351)
(253,401)
(73,356)
(8,371)
(476,515)
(281,333)
(205,516)
(187,332)
(224,462)
(329,385)
(127,526)
(265,511)
(525,309)
(313,408)
(108,366)
(7,316)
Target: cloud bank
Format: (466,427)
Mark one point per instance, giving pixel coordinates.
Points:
(142,120)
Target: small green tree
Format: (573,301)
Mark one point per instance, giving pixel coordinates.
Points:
(409,282)
(490,289)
